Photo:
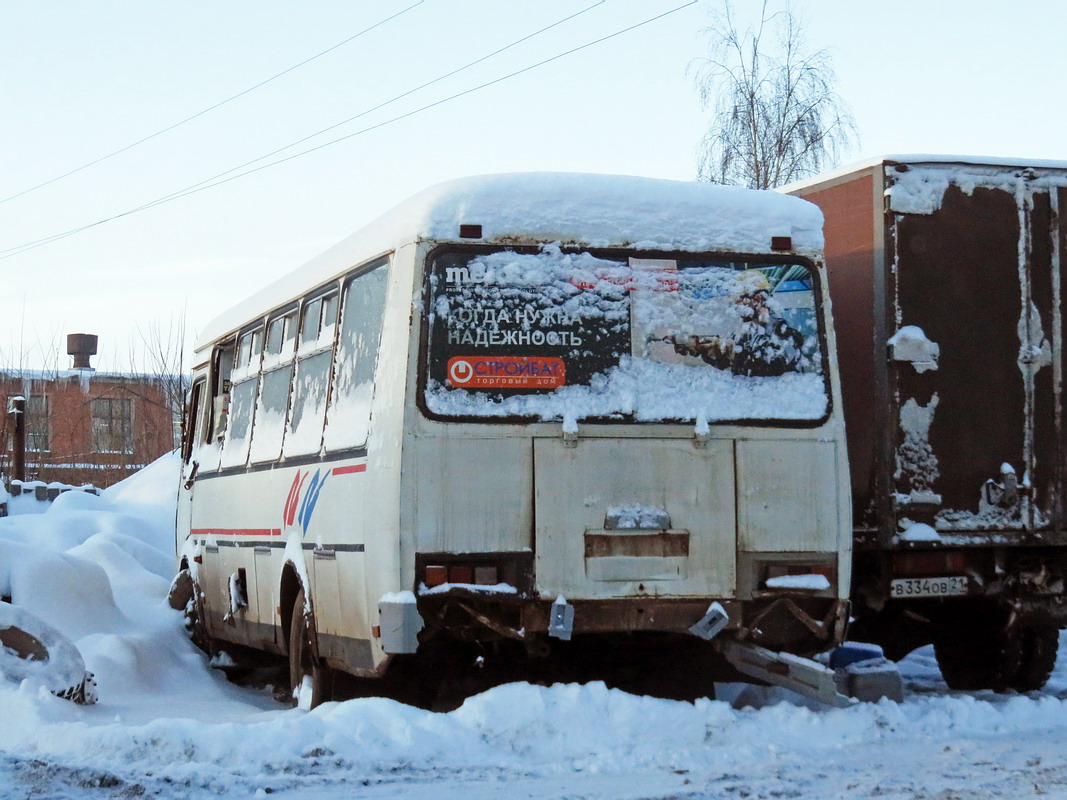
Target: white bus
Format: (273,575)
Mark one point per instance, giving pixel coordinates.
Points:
(534,417)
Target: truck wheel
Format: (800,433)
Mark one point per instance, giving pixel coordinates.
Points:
(1038,656)
(977,653)
(311,683)
(974,651)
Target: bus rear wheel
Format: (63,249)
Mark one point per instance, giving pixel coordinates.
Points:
(310,682)
(185,596)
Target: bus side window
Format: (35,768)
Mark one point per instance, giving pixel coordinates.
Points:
(191,433)
(241,405)
(220,391)
(281,333)
(273,398)
(249,348)
(362,311)
(309,328)
(329,311)
(311,385)
(238,402)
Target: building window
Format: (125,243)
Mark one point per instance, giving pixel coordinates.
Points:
(112,425)
(37,423)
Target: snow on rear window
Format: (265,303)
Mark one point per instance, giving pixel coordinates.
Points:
(557,335)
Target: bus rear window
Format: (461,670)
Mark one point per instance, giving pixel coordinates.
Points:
(557,335)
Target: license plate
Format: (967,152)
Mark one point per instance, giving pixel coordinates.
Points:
(928,587)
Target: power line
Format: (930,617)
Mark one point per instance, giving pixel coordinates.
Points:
(390,101)
(213,107)
(195,188)
(189,189)
(204,185)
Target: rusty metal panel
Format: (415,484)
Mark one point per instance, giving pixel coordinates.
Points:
(957,279)
(976,268)
(1058,234)
(1045,294)
(604,616)
(970,254)
(852,252)
(660,544)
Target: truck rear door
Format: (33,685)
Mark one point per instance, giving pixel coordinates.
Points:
(975,366)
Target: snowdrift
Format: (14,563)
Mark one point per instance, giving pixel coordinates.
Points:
(97,569)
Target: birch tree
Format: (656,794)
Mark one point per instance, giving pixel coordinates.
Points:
(775,115)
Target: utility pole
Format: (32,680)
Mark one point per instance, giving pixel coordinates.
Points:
(16,407)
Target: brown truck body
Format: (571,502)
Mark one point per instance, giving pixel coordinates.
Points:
(946,276)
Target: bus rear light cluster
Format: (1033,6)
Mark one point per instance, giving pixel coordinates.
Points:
(930,562)
(468,574)
(515,569)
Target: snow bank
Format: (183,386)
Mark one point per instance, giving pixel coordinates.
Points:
(168,726)
(97,570)
(561,736)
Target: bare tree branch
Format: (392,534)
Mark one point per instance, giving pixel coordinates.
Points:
(775,115)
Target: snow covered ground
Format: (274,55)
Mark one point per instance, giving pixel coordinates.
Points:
(166,726)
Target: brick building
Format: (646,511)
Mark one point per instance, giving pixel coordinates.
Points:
(84,426)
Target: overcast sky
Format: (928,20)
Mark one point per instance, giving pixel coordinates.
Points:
(82,80)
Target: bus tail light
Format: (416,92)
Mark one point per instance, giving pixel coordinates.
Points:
(475,569)
(465,574)
(435,575)
(460,573)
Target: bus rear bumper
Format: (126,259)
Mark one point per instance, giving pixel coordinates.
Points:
(788,621)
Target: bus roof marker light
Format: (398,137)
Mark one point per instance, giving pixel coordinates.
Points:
(781,243)
(470,231)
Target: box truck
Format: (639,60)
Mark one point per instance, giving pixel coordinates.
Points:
(947,275)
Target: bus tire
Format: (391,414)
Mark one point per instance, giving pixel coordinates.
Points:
(310,682)
(32,649)
(181,590)
(184,596)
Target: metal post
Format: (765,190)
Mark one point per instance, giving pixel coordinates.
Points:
(16,407)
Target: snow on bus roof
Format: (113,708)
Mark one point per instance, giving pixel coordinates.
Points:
(570,208)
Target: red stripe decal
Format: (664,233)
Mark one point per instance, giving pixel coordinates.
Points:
(349,470)
(298,484)
(235,532)
(290,501)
